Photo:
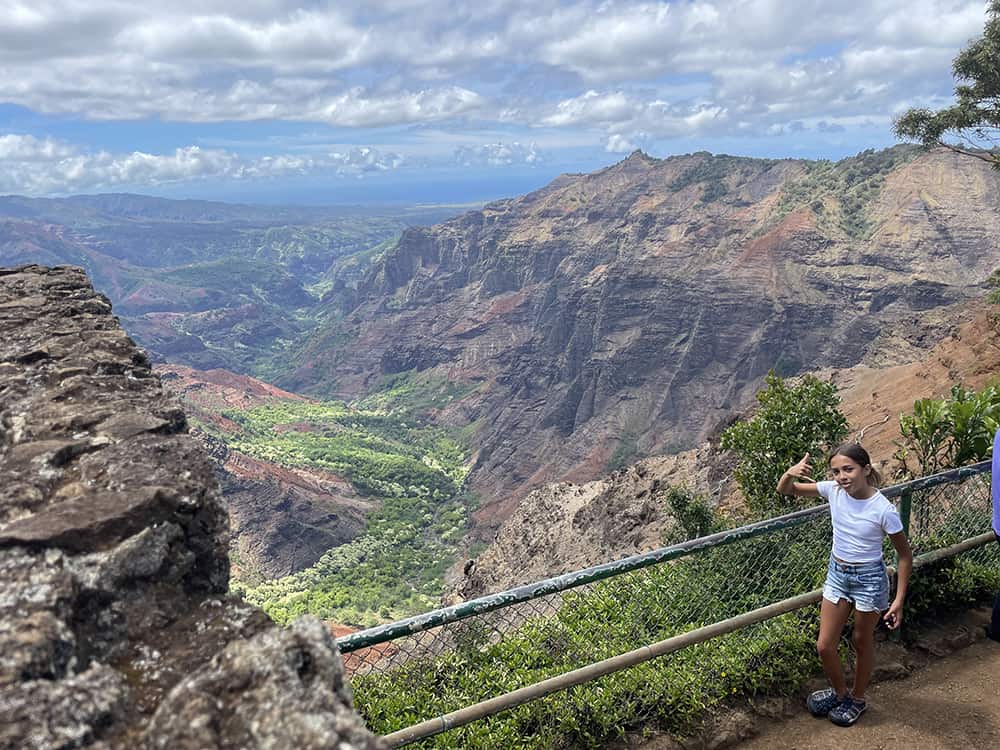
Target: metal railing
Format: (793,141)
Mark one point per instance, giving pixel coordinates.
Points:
(554,633)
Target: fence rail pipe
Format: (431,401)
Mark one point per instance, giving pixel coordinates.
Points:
(593,671)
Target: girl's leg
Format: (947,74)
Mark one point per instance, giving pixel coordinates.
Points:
(831,625)
(864,647)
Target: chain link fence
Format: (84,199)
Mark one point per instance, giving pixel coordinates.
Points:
(944,514)
(410,671)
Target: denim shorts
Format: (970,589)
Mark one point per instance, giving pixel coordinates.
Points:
(864,584)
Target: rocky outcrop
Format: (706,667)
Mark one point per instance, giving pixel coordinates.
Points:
(627,312)
(565,527)
(115,630)
(280,689)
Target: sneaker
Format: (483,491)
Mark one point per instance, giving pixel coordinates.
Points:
(848,712)
(822,702)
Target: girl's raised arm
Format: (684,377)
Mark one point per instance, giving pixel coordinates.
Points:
(802,470)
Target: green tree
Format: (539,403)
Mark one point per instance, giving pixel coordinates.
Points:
(974,418)
(993,282)
(974,119)
(792,420)
(925,433)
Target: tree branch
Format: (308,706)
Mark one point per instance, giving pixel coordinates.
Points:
(987,157)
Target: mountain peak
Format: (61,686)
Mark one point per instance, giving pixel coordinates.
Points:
(640,155)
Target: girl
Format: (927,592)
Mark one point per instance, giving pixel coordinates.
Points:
(856,577)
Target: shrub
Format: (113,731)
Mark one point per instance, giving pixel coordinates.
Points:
(694,515)
(946,433)
(792,420)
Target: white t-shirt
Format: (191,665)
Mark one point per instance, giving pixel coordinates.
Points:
(859,525)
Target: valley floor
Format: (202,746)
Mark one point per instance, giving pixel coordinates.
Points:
(949,704)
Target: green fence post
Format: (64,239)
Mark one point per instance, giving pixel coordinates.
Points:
(905,503)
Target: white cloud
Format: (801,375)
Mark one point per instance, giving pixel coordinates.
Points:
(44,166)
(627,117)
(611,73)
(593,108)
(27,148)
(277,59)
(498,154)
(931,23)
(618,144)
(628,41)
(357,109)
(307,37)
(122,97)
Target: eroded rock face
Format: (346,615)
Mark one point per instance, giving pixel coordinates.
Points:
(564,527)
(113,556)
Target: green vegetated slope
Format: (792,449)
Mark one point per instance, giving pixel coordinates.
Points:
(396,566)
(841,193)
(415,394)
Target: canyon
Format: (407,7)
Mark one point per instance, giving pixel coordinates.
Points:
(607,321)
(629,312)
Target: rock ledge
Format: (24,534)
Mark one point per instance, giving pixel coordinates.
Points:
(115,627)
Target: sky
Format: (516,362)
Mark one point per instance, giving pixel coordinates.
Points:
(434,101)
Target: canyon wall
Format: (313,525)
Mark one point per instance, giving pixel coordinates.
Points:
(627,312)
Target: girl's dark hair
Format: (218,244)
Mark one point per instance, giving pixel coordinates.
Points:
(860,456)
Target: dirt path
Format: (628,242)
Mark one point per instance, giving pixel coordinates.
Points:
(953,703)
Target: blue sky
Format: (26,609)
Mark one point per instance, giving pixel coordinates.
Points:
(431,101)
